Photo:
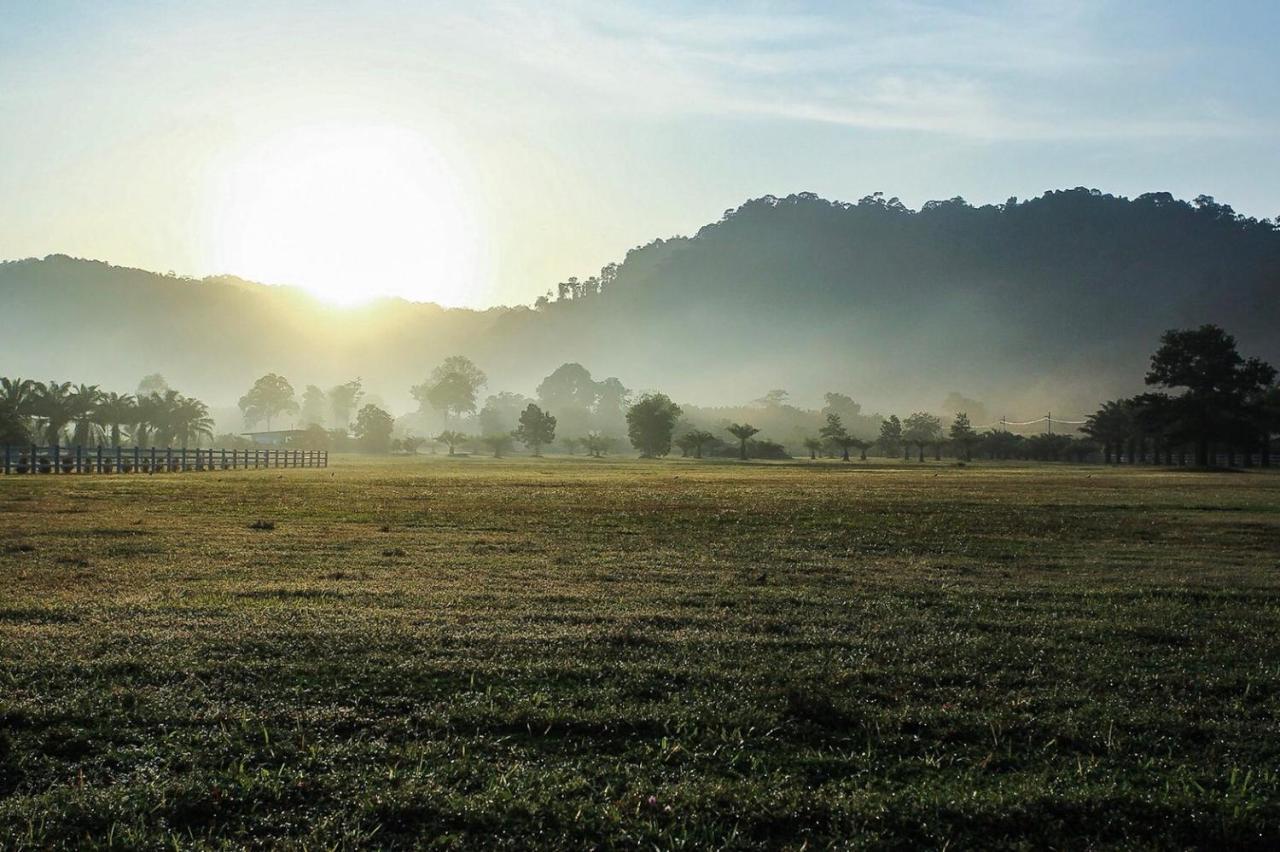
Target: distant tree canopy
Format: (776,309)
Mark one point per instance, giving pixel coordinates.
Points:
(500,443)
(373,429)
(501,412)
(314,403)
(922,429)
(152,383)
(343,401)
(269,397)
(581,403)
(650,423)
(452,387)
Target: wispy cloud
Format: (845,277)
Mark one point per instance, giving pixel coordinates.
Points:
(1021,71)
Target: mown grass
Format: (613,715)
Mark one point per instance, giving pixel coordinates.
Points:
(566,653)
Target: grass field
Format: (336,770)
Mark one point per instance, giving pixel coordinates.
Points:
(574,654)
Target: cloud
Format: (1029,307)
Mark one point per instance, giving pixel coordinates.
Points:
(1025,71)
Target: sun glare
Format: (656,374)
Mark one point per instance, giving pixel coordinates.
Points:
(348,214)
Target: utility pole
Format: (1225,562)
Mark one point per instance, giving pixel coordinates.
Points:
(1049,417)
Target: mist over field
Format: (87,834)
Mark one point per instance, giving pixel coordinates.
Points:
(1047,304)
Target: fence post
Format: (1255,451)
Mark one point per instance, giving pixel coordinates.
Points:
(153,460)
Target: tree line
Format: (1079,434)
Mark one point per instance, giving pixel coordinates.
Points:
(62,413)
(1228,406)
(1210,401)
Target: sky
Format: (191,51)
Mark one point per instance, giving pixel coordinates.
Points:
(476,153)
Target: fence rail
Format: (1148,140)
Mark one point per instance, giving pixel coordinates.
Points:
(64,460)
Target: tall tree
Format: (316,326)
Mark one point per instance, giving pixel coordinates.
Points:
(21,394)
(452,387)
(1217,382)
(650,422)
(344,400)
(373,429)
(314,403)
(114,412)
(922,429)
(189,419)
(13,426)
(813,445)
(536,428)
(84,405)
(270,396)
(612,401)
(1111,425)
(743,432)
(891,435)
(56,405)
(501,412)
(835,435)
(963,435)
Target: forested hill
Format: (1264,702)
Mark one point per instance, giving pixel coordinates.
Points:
(1052,301)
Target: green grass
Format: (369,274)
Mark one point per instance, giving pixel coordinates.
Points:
(567,653)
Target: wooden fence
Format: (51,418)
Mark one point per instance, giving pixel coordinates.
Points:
(56,459)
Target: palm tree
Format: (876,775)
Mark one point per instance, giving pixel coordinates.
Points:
(85,400)
(114,411)
(451,438)
(177,418)
(147,414)
(743,432)
(56,405)
(21,394)
(190,420)
(694,441)
(19,398)
(1112,425)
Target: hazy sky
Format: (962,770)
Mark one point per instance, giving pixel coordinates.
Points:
(476,153)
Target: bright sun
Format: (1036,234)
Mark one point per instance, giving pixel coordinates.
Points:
(348,214)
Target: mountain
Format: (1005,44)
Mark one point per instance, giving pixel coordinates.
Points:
(1054,302)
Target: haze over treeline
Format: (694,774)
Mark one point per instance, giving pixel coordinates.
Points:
(1054,301)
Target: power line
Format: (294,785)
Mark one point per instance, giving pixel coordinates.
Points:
(1049,419)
